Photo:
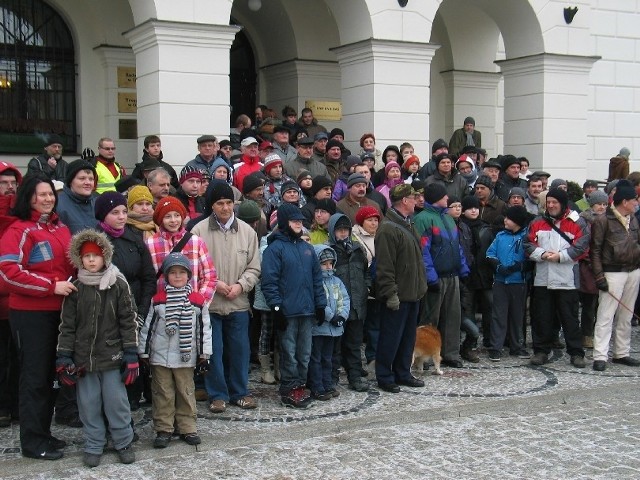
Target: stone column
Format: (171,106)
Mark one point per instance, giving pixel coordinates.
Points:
(182,83)
(385,90)
(546,101)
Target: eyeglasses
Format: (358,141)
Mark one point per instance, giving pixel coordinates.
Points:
(108,148)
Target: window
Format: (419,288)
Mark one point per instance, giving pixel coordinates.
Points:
(37,77)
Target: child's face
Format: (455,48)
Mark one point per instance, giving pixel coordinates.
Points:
(511,225)
(172,222)
(341,233)
(471,213)
(177,276)
(92,263)
(599,208)
(413,168)
(455,210)
(327,265)
(306,183)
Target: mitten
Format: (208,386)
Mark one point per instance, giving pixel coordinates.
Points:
(66,370)
(602,284)
(393,302)
(279,320)
(202,366)
(337,321)
(434,287)
(320,317)
(130,367)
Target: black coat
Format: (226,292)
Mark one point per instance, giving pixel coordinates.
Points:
(481,276)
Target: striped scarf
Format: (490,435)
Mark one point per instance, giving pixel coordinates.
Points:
(178,317)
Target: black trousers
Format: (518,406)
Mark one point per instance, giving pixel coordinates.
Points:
(36,336)
(346,350)
(9,372)
(552,305)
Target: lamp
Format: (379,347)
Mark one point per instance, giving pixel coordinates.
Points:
(569,13)
(254,5)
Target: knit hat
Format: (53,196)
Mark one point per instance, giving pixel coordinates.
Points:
(138,194)
(508,160)
(418,186)
(289,185)
(356,178)
(624,191)
(556,182)
(250,183)
(287,212)
(464,159)
(485,180)
(366,212)
(327,253)
(401,191)
(438,144)
(342,222)
(336,131)
(442,156)
(351,161)
(90,247)
(469,120)
(166,205)
(249,211)
(334,143)
(562,197)
(218,190)
(125,183)
(302,175)
(517,214)
(326,204)
(320,182)
(270,161)
(107,202)
(410,161)
(517,192)
(77,166)
(53,138)
(389,166)
(470,201)
(188,172)
(452,199)
(434,192)
(597,196)
(176,259)
(625,152)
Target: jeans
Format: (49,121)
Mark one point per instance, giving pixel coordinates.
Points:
(228,376)
(396,342)
(320,364)
(445,314)
(295,352)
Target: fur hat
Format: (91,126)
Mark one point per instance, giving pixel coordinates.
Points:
(434,192)
(176,259)
(366,212)
(597,196)
(249,211)
(517,214)
(137,194)
(107,202)
(77,166)
(94,237)
(166,205)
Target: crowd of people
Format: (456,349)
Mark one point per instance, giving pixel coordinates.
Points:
(282,247)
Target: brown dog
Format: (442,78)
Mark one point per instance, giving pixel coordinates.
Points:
(428,345)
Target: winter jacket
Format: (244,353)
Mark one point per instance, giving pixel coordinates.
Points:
(481,276)
(338,302)
(459,141)
(236,257)
(399,267)
(76,211)
(245,167)
(295,166)
(508,249)
(613,248)
(163,349)
(40,165)
(366,240)
(455,185)
(138,172)
(286,154)
(201,164)
(272,194)
(131,256)
(492,210)
(351,267)
(340,188)
(505,184)
(33,257)
(350,208)
(441,249)
(541,237)
(291,276)
(195,206)
(259,302)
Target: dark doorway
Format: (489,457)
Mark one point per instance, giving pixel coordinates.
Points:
(242,78)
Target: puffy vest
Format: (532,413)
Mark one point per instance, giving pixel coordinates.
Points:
(106,181)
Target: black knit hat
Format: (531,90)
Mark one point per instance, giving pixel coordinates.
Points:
(125,183)
(561,196)
(336,131)
(517,214)
(218,190)
(485,180)
(438,144)
(434,192)
(289,185)
(470,201)
(624,191)
(326,204)
(53,138)
(319,182)
(77,166)
(250,183)
(107,202)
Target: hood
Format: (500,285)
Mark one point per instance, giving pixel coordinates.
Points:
(319,248)
(332,225)
(220,162)
(94,236)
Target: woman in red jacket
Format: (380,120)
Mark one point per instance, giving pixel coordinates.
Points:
(36,272)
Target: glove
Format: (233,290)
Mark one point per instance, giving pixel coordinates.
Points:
(393,303)
(337,321)
(66,371)
(502,270)
(202,366)
(602,284)
(434,287)
(279,319)
(320,315)
(516,267)
(130,367)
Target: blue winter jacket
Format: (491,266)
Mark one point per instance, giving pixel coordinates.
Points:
(337,301)
(291,276)
(508,248)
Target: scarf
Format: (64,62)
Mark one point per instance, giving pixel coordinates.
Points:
(625,220)
(141,222)
(112,232)
(470,141)
(103,279)
(178,318)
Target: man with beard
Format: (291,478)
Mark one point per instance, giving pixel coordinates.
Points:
(107,169)
(372,193)
(50,162)
(153,151)
(556,242)
(303,161)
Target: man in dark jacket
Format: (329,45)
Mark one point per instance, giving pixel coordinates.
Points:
(188,193)
(50,162)
(400,284)
(153,151)
(465,136)
(351,268)
(510,177)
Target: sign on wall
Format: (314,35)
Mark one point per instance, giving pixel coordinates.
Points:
(322,110)
(126,77)
(127,102)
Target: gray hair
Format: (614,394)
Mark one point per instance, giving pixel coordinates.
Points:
(158,172)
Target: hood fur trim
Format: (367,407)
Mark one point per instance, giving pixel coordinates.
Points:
(93,236)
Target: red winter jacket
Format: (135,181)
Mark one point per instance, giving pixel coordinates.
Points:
(33,256)
(245,167)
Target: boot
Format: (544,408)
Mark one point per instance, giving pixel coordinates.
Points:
(266,374)
(276,365)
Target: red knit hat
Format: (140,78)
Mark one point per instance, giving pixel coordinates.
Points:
(366,212)
(410,161)
(166,205)
(90,247)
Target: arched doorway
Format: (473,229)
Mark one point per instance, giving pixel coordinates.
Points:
(242,78)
